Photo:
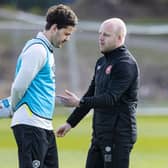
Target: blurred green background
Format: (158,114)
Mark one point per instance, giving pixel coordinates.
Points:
(149,151)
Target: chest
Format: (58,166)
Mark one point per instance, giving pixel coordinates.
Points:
(104,73)
(48,70)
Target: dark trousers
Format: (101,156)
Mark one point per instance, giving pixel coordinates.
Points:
(108,155)
(36,147)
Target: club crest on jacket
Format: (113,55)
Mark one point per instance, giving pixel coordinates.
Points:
(108,69)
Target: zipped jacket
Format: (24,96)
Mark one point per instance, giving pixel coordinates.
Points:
(113,94)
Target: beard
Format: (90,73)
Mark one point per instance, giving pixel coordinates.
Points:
(57,44)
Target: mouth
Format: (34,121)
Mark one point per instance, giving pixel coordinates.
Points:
(101,43)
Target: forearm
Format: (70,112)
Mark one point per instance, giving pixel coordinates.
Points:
(20,86)
(16,95)
(77,115)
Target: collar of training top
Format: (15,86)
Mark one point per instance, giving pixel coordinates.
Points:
(114,53)
(43,38)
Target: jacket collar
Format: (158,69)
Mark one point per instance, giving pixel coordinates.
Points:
(114,53)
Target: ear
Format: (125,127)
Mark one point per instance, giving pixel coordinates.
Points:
(54,27)
(120,37)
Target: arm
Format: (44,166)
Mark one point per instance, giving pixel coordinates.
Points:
(72,100)
(77,114)
(32,61)
(124,75)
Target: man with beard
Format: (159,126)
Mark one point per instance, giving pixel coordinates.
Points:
(33,91)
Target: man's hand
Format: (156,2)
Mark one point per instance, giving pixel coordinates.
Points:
(63,130)
(69,99)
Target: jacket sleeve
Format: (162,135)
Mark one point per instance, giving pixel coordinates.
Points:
(80,112)
(123,75)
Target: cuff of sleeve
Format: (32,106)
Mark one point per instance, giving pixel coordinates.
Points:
(71,123)
(82,102)
(87,101)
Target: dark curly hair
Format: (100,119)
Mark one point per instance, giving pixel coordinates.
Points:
(61,15)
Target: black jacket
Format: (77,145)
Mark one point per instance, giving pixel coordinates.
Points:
(113,95)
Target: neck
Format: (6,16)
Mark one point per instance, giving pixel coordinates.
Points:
(47,34)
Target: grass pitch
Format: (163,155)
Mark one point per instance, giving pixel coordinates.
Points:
(151,149)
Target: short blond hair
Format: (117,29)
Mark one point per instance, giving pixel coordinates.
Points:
(119,26)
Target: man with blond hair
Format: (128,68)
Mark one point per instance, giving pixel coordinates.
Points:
(113,96)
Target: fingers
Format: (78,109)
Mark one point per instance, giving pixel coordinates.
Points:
(63,130)
(69,100)
(69,93)
(62,99)
(60,132)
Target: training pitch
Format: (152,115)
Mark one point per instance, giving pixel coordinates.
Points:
(151,149)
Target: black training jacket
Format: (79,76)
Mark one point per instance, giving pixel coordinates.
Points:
(113,94)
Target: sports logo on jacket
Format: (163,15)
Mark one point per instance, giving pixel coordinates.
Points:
(108,69)
(98,67)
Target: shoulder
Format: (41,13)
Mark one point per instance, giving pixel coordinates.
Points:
(37,47)
(100,60)
(126,59)
(36,50)
(127,66)
(35,55)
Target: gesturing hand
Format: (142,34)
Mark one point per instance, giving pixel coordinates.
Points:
(69,99)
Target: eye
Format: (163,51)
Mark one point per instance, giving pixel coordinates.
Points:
(106,35)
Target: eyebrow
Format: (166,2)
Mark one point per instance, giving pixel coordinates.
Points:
(67,33)
(105,33)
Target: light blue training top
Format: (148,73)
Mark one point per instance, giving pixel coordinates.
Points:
(40,95)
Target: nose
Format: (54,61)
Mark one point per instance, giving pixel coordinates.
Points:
(101,40)
(101,37)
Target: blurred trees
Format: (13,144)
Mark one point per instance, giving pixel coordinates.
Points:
(37,6)
(43,4)
(121,8)
(126,9)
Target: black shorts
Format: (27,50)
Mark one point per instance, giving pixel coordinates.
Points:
(36,147)
(108,155)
